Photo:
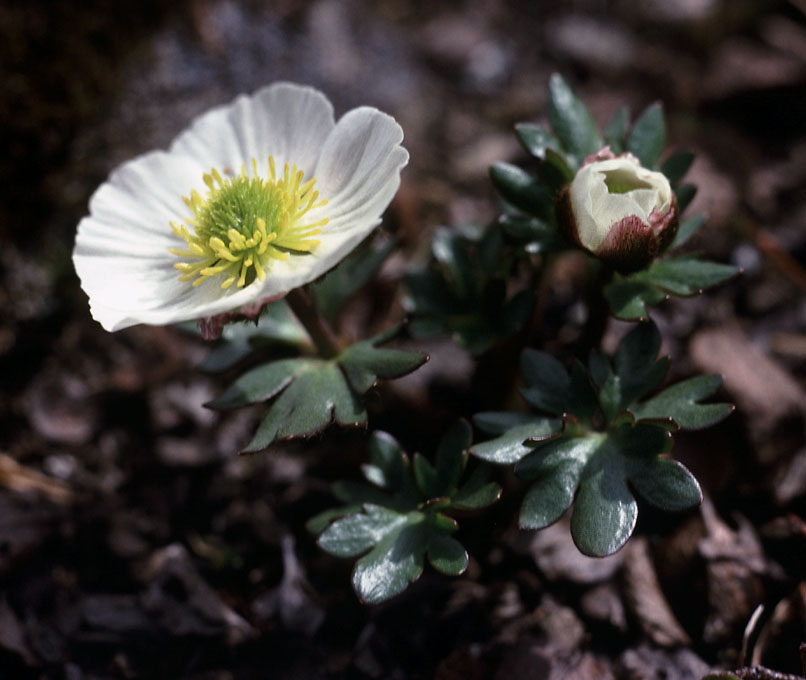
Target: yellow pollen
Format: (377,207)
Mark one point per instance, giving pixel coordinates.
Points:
(245,223)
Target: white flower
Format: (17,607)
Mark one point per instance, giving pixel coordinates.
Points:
(620,211)
(254,199)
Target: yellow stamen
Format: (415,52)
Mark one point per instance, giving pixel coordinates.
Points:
(245,223)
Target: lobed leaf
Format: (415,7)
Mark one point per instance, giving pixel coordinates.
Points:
(681,403)
(509,446)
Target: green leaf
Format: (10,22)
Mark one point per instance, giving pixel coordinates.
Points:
(677,165)
(477,492)
(264,382)
(615,131)
(365,362)
(453,252)
(554,172)
(686,230)
(571,120)
(592,470)
(628,296)
(648,136)
(509,446)
(681,403)
(523,191)
(666,484)
(447,555)
(687,275)
(685,194)
(276,326)
(451,457)
(628,299)
(547,382)
(394,563)
(356,534)
(556,468)
(353,273)
(636,371)
(537,236)
(536,139)
(316,397)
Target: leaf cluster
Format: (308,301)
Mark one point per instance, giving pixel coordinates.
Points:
(596,436)
(399,518)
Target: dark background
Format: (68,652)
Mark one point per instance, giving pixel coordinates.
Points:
(134,542)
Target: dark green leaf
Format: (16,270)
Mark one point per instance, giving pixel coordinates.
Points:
(523,191)
(676,166)
(665,483)
(264,382)
(581,400)
(353,273)
(686,230)
(394,563)
(447,555)
(453,253)
(628,299)
(451,456)
(316,397)
(635,363)
(547,382)
(364,362)
(681,403)
(648,136)
(605,511)
(685,194)
(537,236)
(556,468)
(554,172)
(687,275)
(356,534)
(509,447)
(536,139)
(571,120)
(615,131)
(477,492)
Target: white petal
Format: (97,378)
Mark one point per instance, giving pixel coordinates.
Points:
(287,121)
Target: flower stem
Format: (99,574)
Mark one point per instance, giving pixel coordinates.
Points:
(598,307)
(304,308)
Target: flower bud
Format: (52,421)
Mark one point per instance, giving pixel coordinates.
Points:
(619,211)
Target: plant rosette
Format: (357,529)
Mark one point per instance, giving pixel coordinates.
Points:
(619,211)
(253,200)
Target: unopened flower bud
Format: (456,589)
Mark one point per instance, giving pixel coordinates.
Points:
(619,211)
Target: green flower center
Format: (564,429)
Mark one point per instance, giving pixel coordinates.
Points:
(622,181)
(245,223)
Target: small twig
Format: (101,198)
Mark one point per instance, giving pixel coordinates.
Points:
(750,631)
(320,331)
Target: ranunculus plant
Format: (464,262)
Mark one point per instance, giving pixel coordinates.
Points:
(257,211)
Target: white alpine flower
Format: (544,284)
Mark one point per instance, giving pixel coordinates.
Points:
(254,199)
(620,211)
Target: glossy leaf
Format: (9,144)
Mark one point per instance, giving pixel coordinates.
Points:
(523,191)
(264,382)
(648,136)
(509,446)
(681,403)
(398,520)
(547,382)
(571,120)
(535,235)
(536,139)
(628,299)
